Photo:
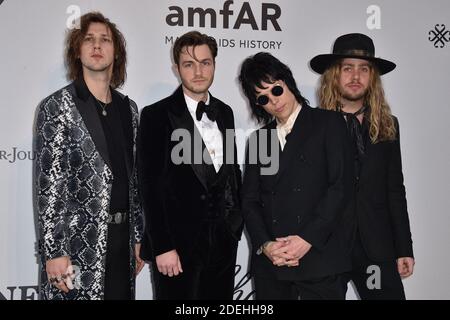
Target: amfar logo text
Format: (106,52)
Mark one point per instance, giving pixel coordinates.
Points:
(270,12)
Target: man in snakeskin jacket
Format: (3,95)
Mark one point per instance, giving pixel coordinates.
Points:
(89,215)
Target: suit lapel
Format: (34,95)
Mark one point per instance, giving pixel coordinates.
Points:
(368,147)
(224,123)
(296,139)
(123,104)
(181,119)
(86,105)
(271,135)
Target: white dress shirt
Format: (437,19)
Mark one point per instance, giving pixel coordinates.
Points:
(284,129)
(209,131)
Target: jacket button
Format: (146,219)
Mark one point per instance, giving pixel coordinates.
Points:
(203,197)
(274,221)
(274,193)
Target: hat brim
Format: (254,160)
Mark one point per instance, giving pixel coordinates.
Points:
(322,62)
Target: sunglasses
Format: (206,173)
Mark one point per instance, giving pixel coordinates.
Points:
(277,90)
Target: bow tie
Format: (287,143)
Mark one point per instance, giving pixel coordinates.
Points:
(210,110)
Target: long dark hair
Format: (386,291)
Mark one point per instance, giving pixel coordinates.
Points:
(264,67)
(73,44)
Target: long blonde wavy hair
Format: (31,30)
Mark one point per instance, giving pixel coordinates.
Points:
(381,121)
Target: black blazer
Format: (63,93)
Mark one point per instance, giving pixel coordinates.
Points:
(380,204)
(306,197)
(175,197)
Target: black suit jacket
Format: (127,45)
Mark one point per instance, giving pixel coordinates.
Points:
(380,202)
(175,196)
(307,197)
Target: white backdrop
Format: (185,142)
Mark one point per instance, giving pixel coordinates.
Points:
(32,67)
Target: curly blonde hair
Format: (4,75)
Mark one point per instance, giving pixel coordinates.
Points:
(381,121)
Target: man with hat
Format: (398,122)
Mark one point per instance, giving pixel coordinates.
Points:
(382,251)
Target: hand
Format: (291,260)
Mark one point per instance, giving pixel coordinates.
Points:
(405,266)
(60,273)
(139,262)
(275,252)
(169,263)
(294,247)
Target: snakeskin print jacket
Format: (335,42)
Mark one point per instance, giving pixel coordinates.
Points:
(73,182)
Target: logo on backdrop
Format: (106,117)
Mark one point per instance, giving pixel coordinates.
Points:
(230,16)
(440,36)
(19,292)
(15,154)
(242,288)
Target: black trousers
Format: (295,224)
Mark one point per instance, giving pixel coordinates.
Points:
(117,273)
(326,288)
(208,274)
(388,285)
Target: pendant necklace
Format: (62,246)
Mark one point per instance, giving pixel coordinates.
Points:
(103,106)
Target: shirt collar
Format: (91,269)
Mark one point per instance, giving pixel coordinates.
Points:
(192,104)
(287,126)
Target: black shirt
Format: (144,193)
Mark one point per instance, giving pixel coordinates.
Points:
(115,138)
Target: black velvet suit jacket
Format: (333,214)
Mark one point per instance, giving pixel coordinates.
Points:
(307,197)
(175,196)
(380,202)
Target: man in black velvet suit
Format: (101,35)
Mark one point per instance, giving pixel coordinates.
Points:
(295,217)
(191,202)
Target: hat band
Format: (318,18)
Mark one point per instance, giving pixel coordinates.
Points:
(362,53)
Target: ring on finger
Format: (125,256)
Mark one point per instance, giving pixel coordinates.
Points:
(53,280)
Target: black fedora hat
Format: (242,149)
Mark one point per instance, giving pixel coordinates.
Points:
(352,45)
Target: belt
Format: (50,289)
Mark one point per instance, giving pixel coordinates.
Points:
(117,218)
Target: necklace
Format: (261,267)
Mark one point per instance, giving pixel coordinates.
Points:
(103,106)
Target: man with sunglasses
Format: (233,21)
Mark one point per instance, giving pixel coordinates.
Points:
(295,217)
